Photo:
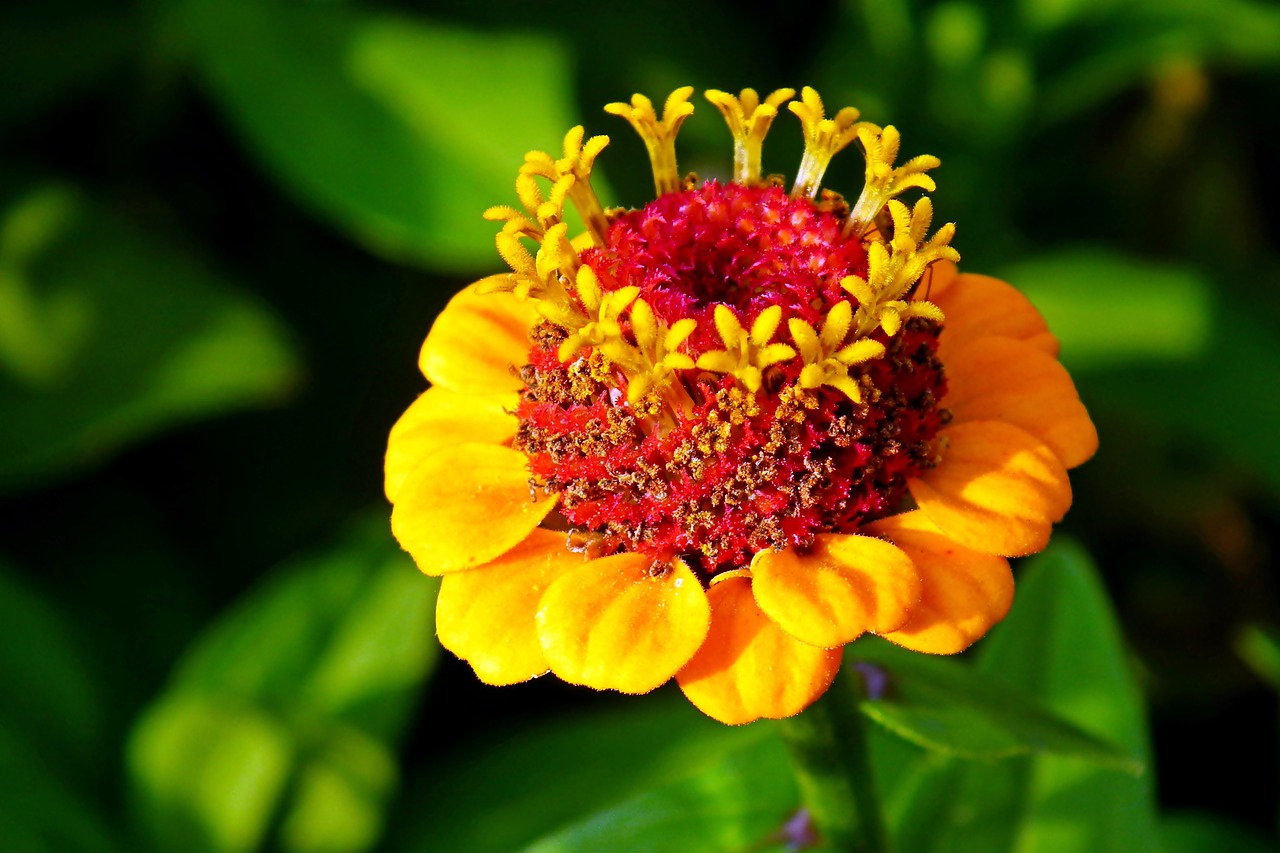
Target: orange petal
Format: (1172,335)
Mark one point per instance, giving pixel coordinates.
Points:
(998,379)
(466,505)
(442,418)
(476,341)
(997,489)
(612,624)
(486,616)
(978,306)
(965,592)
(840,587)
(750,668)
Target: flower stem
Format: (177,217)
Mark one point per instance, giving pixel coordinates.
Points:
(829,749)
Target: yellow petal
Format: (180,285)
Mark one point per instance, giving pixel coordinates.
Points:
(842,586)
(997,490)
(748,667)
(466,505)
(998,379)
(442,418)
(486,616)
(613,624)
(476,341)
(964,592)
(979,306)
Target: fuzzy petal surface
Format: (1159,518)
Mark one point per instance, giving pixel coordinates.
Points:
(839,588)
(612,624)
(964,592)
(466,505)
(1000,379)
(749,668)
(476,341)
(998,490)
(486,616)
(442,418)
(978,306)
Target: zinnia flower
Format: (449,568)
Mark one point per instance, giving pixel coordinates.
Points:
(719,437)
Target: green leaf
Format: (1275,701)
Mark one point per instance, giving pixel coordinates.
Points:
(740,802)
(401,131)
(1201,833)
(1064,647)
(1109,309)
(503,793)
(38,811)
(1177,359)
(947,707)
(57,709)
(50,729)
(207,774)
(1119,48)
(293,701)
(1061,646)
(1260,649)
(107,336)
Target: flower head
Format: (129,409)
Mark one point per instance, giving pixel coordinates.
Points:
(719,437)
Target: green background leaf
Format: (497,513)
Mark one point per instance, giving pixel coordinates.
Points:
(281,724)
(387,125)
(108,336)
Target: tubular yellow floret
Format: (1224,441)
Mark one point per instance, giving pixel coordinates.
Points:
(659,136)
(597,324)
(652,363)
(573,172)
(748,121)
(883,180)
(894,268)
(826,358)
(823,138)
(746,354)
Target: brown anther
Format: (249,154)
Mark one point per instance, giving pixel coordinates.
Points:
(773,379)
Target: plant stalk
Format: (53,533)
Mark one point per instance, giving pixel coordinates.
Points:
(829,750)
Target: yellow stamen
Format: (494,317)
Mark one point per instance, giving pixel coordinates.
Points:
(826,359)
(659,136)
(655,358)
(575,169)
(746,354)
(895,267)
(883,181)
(748,121)
(539,276)
(823,138)
(597,325)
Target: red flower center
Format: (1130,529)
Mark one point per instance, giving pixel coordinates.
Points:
(726,471)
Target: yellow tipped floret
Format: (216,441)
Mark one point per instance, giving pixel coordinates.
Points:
(597,324)
(574,171)
(746,354)
(655,358)
(823,139)
(539,213)
(883,180)
(539,276)
(659,136)
(826,357)
(894,268)
(749,122)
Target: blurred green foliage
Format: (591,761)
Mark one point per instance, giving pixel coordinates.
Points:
(225,227)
